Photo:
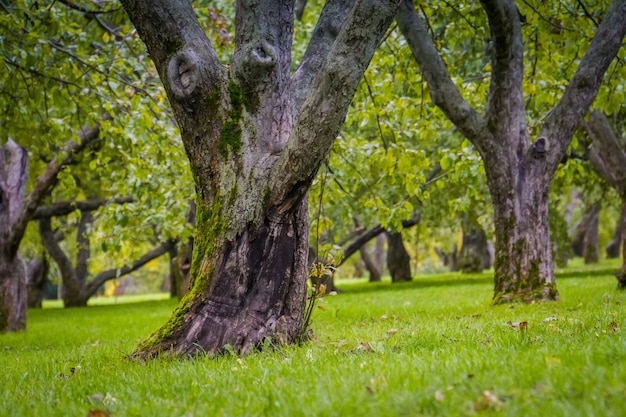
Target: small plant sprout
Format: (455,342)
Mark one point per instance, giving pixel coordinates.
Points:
(319,273)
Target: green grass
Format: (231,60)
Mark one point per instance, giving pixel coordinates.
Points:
(433,347)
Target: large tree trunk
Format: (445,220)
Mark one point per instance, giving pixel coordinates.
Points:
(255,136)
(13,294)
(523,254)
(398,259)
(13,290)
(519,170)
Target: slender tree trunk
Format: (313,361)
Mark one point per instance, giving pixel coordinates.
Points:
(398,259)
(591,249)
(37,280)
(474,255)
(621,275)
(370,265)
(614,246)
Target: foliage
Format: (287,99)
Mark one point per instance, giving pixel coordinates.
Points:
(435,347)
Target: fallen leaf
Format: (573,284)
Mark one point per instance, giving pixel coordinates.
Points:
(98,413)
(487,400)
(439,395)
(366,346)
(517,324)
(391,332)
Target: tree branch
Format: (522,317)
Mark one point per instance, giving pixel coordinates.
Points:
(47,180)
(444,93)
(63,208)
(566,116)
(326,30)
(329,96)
(606,154)
(505,106)
(104,276)
(370,234)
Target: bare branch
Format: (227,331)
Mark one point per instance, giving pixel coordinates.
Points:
(102,277)
(444,93)
(63,208)
(324,110)
(566,116)
(606,154)
(326,30)
(505,106)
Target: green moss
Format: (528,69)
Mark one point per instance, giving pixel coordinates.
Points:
(210,227)
(213,102)
(230,135)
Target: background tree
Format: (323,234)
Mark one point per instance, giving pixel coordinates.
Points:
(609,159)
(519,171)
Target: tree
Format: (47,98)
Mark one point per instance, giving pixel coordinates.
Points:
(78,289)
(16,210)
(255,135)
(609,160)
(518,170)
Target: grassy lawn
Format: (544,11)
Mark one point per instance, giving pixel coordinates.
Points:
(431,347)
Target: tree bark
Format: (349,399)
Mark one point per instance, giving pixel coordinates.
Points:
(398,259)
(255,137)
(518,171)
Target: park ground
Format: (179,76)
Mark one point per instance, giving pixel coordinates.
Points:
(432,347)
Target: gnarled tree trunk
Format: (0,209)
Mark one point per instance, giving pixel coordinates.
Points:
(255,136)
(519,171)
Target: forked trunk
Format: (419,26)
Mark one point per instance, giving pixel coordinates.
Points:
(244,290)
(13,294)
(523,255)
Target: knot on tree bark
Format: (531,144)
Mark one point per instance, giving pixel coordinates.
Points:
(255,61)
(183,73)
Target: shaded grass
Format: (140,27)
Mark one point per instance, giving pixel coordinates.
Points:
(431,347)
